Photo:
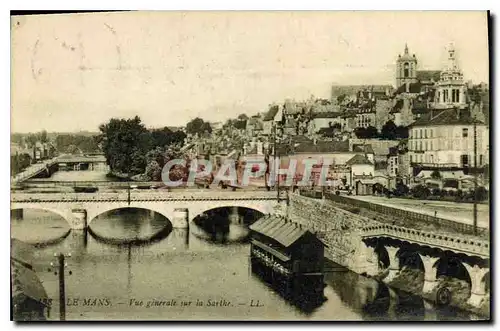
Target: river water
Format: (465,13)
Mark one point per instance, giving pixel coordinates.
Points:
(130,264)
(115,266)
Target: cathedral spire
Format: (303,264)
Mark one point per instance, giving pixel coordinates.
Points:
(406,48)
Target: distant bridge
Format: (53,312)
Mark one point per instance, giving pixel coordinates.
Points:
(179,207)
(74,162)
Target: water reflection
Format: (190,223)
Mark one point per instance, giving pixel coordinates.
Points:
(130,227)
(137,254)
(376,301)
(222,226)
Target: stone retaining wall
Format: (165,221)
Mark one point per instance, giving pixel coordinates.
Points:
(338,229)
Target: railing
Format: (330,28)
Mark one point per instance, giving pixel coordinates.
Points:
(478,246)
(406,214)
(34,170)
(400,213)
(145,196)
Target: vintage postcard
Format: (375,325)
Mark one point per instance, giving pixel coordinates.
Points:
(277,166)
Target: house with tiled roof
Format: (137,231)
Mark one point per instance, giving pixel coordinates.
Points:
(444,138)
(324,120)
(361,169)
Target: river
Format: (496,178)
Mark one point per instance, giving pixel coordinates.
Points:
(131,265)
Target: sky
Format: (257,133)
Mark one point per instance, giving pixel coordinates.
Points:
(73,72)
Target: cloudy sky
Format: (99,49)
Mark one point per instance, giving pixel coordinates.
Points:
(74,72)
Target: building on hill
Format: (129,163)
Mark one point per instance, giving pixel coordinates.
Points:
(428,77)
(254,127)
(445,139)
(451,87)
(382,112)
(406,68)
(268,120)
(356,91)
(323,120)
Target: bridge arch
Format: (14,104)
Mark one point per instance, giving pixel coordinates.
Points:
(409,259)
(449,266)
(199,209)
(59,212)
(93,214)
(384,260)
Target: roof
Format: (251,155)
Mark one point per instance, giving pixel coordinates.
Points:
(323,147)
(256,123)
(271,113)
(352,89)
(358,159)
(445,117)
(428,75)
(21,252)
(26,282)
(326,114)
(363,149)
(412,88)
(280,229)
(397,106)
(82,158)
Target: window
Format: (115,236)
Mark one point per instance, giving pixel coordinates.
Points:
(420,145)
(465,160)
(406,70)
(411,158)
(465,132)
(431,146)
(430,133)
(480,160)
(426,146)
(425,132)
(420,134)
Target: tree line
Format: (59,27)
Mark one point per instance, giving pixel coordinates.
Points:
(131,149)
(389,131)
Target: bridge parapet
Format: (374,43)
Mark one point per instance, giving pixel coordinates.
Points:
(203,195)
(468,246)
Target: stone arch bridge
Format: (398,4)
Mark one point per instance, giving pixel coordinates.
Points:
(180,208)
(393,248)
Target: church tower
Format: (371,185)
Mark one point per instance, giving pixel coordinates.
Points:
(406,68)
(451,86)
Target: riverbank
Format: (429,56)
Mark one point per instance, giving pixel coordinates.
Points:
(412,281)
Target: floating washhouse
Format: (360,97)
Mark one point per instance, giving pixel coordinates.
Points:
(288,257)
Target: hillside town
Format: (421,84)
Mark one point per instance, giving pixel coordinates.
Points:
(424,130)
(429,133)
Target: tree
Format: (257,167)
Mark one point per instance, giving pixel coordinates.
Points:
(198,126)
(31,140)
(436,175)
(366,133)
(421,192)
(240,124)
(341,98)
(125,143)
(242,117)
(43,136)
(388,131)
(402,132)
